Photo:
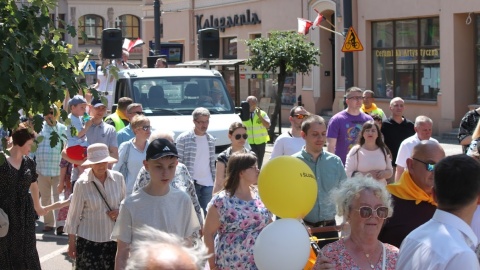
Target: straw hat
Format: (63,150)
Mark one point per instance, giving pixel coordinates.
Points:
(98,153)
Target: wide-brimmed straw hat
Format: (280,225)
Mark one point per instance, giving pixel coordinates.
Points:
(98,153)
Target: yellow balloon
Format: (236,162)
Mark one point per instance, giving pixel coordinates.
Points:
(287,187)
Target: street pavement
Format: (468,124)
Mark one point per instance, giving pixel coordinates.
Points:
(52,249)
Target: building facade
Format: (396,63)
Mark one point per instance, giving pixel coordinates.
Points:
(402,41)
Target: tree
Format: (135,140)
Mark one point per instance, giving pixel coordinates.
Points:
(36,67)
(286,52)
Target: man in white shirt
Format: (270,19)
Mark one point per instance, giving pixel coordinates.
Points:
(447,241)
(291,142)
(196,149)
(423,131)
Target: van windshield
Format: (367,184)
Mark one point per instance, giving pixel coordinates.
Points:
(180,95)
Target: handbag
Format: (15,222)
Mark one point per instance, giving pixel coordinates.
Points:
(124,168)
(4,224)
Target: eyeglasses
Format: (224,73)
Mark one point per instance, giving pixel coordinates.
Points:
(367,212)
(146,128)
(429,167)
(357,98)
(300,116)
(202,122)
(238,136)
(139,113)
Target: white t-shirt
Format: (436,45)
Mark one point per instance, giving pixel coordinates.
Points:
(134,162)
(406,148)
(201,167)
(171,213)
(287,145)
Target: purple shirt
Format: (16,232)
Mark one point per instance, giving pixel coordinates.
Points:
(345,128)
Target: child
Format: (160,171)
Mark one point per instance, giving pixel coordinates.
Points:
(77,140)
(156,205)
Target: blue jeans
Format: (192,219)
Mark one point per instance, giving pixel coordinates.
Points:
(204,194)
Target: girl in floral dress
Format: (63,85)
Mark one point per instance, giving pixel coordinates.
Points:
(236,216)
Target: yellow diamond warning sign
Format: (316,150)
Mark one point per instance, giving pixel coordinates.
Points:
(352,42)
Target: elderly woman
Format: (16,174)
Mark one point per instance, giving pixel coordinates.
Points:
(364,204)
(237,133)
(132,152)
(18,175)
(93,210)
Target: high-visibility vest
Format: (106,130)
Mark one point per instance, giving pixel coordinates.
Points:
(117,120)
(257,133)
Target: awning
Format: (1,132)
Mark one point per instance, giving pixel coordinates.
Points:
(223,62)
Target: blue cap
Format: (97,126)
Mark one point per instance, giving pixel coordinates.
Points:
(97,103)
(78,99)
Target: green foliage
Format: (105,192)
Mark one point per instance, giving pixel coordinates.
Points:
(284,52)
(35,66)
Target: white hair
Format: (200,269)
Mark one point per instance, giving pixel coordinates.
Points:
(162,134)
(152,239)
(422,119)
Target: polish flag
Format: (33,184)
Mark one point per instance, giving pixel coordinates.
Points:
(304,26)
(319,19)
(128,44)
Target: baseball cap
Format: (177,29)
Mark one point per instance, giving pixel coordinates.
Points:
(97,103)
(160,148)
(77,99)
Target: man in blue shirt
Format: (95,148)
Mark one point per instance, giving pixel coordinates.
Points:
(126,133)
(328,170)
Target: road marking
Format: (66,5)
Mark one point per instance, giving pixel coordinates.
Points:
(55,253)
(52,255)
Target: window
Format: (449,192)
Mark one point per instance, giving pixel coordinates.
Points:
(406,58)
(92,26)
(229,46)
(130,26)
(61,20)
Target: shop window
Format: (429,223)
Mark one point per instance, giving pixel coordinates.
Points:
(92,25)
(229,47)
(130,26)
(406,58)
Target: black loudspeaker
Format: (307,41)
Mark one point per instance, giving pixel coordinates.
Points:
(245,112)
(112,43)
(208,43)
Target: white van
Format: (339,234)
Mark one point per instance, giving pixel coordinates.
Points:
(169,96)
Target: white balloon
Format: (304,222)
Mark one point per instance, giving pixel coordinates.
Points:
(283,244)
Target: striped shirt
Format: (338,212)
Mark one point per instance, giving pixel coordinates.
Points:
(48,158)
(87,216)
(187,149)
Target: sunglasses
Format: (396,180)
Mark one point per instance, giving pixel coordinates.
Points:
(146,128)
(50,112)
(367,212)
(140,113)
(238,136)
(300,116)
(429,167)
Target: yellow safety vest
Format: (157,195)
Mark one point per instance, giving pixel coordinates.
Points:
(257,133)
(117,120)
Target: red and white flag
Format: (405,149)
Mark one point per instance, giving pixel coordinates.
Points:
(319,19)
(304,26)
(128,44)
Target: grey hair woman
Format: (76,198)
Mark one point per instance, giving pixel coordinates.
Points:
(364,204)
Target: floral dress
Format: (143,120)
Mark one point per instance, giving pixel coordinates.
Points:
(241,223)
(342,259)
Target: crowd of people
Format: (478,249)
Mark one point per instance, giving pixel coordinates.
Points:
(142,198)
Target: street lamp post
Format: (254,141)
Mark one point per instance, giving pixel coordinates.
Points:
(156,14)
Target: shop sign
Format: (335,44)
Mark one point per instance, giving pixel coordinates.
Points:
(226,22)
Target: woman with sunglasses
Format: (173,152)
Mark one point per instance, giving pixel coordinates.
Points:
(237,133)
(364,204)
(370,155)
(235,216)
(132,152)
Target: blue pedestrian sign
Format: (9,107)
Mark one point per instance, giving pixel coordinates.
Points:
(90,67)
